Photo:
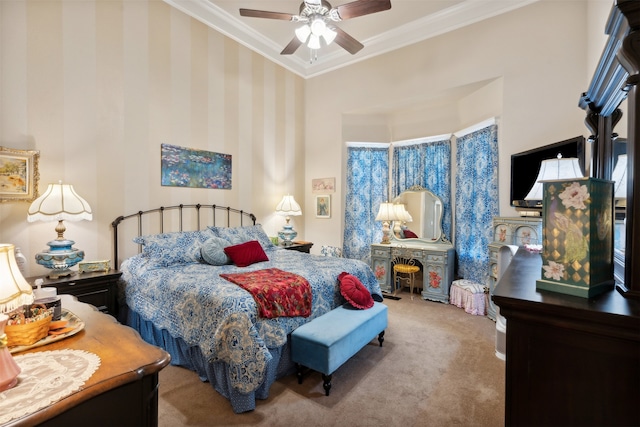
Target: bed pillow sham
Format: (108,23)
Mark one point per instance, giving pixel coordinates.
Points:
(246,253)
(174,248)
(237,235)
(212,251)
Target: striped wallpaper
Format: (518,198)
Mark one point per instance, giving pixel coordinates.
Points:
(97,85)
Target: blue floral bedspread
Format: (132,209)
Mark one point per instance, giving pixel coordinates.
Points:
(191,301)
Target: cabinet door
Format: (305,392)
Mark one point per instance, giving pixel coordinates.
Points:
(380,267)
(380,264)
(435,278)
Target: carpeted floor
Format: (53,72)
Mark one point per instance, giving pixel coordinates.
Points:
(437,367)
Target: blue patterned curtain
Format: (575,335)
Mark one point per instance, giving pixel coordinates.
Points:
(367,187)
(476,201)
(426,164)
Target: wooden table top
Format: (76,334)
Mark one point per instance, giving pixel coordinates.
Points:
(124,357)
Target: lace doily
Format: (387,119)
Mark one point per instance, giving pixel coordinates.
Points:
(46,377)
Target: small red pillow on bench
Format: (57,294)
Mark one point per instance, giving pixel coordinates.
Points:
(354,291)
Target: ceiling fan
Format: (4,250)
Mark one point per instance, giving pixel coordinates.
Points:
(317,17)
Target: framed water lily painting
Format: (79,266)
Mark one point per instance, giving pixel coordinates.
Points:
(189,167)
(18,175)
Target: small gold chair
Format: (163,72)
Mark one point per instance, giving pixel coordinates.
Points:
(403,263)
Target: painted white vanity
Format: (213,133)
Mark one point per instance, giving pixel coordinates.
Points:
(432,251)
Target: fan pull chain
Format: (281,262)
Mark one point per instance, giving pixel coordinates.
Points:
(313,55)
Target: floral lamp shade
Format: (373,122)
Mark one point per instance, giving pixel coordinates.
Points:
(577,223)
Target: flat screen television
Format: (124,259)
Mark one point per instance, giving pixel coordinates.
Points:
(526,165)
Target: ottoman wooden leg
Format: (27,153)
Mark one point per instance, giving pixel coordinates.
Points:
(381,338)
(326,384)
(299,374)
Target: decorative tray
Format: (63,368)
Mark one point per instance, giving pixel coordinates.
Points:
(74,324)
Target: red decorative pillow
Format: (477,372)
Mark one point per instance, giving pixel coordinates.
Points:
(246,253)
(408,234)
(354,291)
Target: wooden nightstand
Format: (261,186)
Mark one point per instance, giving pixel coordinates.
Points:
(99,289)
(299,246)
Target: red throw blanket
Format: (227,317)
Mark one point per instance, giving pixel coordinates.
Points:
(277,293)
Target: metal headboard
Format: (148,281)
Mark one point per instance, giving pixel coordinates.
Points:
(179,218)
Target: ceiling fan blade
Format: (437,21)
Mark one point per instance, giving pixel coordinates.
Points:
(293,45)
(362,7)
(265,14)
(350,44)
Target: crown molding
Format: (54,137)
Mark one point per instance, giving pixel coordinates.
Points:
(455,17)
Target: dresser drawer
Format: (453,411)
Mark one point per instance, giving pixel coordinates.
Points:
(380,252)
(431,257)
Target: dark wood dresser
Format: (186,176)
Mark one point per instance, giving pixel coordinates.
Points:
(98,288)
(571,361)
(124,389)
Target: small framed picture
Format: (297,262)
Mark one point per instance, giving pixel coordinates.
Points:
(18,175)
(323,206)
(323,185)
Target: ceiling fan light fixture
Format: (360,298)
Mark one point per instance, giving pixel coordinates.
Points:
(302,33)
(329,35)
(318,27)
(314,41)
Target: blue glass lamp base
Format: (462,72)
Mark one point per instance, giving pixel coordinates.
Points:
(60,257)
(287,234)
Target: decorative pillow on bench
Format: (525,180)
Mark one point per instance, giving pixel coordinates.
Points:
(354,291)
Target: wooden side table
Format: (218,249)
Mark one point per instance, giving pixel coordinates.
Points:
(124,389)
(299,246)
(99,288)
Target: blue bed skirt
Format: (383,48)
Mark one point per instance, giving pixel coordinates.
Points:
(216,373)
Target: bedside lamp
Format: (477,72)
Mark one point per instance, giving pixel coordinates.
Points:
(14,293)
(386,213)
(59,203)
(288,207)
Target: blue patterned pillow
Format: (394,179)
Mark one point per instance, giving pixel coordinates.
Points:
(174,248)
(213,251)
(237,235)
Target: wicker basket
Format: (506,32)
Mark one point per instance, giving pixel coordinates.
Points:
(27,333)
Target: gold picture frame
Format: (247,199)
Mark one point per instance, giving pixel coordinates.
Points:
(19,175)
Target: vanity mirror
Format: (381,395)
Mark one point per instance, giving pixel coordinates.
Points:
(425,209)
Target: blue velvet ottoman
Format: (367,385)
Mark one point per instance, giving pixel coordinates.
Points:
(328,341)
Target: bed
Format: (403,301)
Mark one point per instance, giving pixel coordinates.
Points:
(173,294)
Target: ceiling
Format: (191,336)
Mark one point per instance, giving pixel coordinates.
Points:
(407,22)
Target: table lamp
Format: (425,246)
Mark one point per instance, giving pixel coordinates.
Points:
(14,293)
(288,207)
(59,203)
(386,213)
(558,168)
(403,217)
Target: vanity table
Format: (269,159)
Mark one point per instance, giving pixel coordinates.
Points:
(431,250)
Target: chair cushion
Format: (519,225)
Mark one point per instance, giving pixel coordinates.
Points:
(406,268)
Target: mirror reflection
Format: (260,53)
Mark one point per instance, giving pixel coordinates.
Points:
(420,213)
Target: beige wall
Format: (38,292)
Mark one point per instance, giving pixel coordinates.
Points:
(96,86)
(527,68)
